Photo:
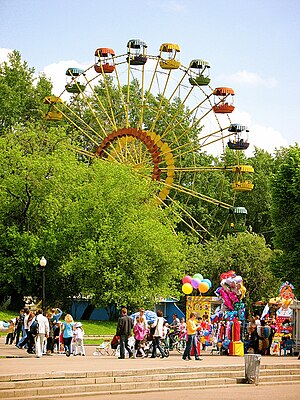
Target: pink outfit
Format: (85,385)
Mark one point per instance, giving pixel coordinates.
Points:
(139,331)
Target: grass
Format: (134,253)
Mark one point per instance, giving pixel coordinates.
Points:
(91,328)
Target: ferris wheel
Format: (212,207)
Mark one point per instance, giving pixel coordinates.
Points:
(159,116)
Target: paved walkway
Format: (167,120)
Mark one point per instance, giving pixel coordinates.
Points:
(15,361)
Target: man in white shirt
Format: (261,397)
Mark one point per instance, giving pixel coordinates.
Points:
(43,332)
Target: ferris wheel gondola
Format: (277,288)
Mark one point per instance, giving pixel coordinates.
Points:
(239,142)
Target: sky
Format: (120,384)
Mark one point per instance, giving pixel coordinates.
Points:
(252,46)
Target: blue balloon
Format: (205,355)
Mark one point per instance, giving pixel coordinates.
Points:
(207,281)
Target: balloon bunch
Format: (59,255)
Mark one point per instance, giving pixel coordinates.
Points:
(231,292)
(196,282)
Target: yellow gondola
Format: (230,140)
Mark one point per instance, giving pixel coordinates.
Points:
(169,56)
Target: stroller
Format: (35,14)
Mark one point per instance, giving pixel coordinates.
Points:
(105,349)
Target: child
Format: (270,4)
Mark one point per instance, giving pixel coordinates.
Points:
(182,329)
(139,334)
(10,333)
(78,338)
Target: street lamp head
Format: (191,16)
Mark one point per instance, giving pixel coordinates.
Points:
(43,262)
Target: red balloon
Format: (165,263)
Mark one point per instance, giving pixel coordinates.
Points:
(187,279)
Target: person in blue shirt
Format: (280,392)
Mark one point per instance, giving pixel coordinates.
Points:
(67,329)
(56,314)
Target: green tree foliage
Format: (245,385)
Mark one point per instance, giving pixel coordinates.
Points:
(246,254)
(21,93)
(258,201)
(94,224)
(286,215)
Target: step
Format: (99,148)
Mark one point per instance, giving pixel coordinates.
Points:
(64,391)
(115,373)
(60,384)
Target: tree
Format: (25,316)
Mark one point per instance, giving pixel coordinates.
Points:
(286,215)
(21,94)
(94,223)
(258,201)
(247,254)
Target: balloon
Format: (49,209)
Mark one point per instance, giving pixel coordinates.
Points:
(238,279)
(198,276)
(208,281)
(203,287)
(187,288)
(187,279)
(195,283)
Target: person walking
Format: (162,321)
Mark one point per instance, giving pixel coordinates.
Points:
(139,335)
(158,334)
(43,333)
(67,329)
(19,328)
(56,314)
(191,327)
(124,330)
(10,333)
(78,338)
(24,341)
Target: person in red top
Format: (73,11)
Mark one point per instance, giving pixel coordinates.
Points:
(191,327)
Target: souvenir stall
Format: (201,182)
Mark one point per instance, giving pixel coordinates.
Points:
(284,320)
(229,316)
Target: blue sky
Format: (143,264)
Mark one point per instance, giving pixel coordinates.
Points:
(252,46)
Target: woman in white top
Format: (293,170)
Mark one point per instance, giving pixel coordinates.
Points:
(158,334)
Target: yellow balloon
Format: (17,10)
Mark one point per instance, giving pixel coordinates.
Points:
(187,288)
(203,287)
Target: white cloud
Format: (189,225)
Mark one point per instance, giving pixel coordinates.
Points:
(252,79)
(4,54)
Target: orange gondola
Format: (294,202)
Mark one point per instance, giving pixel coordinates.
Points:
(222,105)
(104,60)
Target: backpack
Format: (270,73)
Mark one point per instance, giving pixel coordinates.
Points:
(115,342)
(267,331)
(34,327)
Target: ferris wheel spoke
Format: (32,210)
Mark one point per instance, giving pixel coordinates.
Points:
(200,196)
(159,107)
(184,118)
(111,121)
(83,131)
(148,91)
(179,216)
(120,91)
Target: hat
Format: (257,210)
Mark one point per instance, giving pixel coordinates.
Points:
(78,325)
(142,309)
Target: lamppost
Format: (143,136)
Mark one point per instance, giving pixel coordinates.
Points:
(43,263)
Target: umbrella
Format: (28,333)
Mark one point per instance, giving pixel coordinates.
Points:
(149,315)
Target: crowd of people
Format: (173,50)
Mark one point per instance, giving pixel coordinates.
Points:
(261,333)
(43,333)
(161,335)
